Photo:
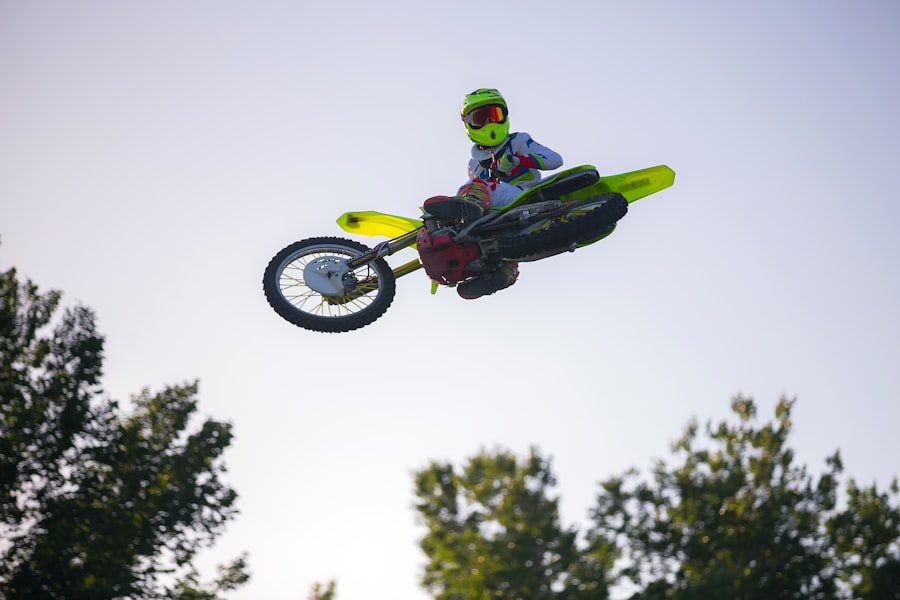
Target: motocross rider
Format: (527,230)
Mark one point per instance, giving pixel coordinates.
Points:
(502,165)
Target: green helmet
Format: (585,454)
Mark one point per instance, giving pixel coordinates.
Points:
(485,116)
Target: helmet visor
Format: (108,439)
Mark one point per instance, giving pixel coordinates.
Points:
(481,116)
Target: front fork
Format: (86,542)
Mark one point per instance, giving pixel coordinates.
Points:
(386,249)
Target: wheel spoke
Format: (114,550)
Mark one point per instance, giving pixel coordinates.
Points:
(295,290)
(368,290)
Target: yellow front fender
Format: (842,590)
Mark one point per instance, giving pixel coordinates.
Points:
(371,222)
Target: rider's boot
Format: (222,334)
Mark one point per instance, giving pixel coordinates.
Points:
(487,283)
(469,203)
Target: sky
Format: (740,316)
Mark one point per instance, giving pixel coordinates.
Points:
(155,156)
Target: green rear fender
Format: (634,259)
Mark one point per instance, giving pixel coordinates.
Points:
(633,185)
(637,184)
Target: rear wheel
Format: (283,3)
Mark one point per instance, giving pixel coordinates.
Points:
(309,284)
(586,221)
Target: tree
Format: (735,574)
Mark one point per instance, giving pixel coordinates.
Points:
(493,532)
(741,520)
(732,517)
(95,503)
(864,539)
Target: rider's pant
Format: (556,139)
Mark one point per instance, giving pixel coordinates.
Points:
(502,193)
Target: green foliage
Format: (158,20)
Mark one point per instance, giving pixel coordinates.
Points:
(231,576)
(739,519)
(493,532)
(865,539)
(733,516)
(95,503)
(323,592)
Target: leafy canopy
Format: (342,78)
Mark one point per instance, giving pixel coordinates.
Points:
(94,502)
(731,515)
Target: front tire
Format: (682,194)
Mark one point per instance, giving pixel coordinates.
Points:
(370,288)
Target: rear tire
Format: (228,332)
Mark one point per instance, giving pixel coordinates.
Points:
(370,288)
(586,221)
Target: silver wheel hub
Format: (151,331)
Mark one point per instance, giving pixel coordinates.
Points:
(325,275)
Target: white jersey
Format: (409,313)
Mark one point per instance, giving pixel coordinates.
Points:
(533,158)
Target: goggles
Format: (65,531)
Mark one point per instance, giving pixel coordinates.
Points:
(481,116)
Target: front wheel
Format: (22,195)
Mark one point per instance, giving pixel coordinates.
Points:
(309,284)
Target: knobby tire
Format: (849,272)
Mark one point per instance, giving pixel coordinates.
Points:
(290,297)
(568,230)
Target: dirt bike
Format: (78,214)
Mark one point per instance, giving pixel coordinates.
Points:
(333,284)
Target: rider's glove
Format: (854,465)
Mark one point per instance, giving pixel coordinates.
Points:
(508,163)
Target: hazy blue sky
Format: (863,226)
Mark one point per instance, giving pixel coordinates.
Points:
(155,155)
